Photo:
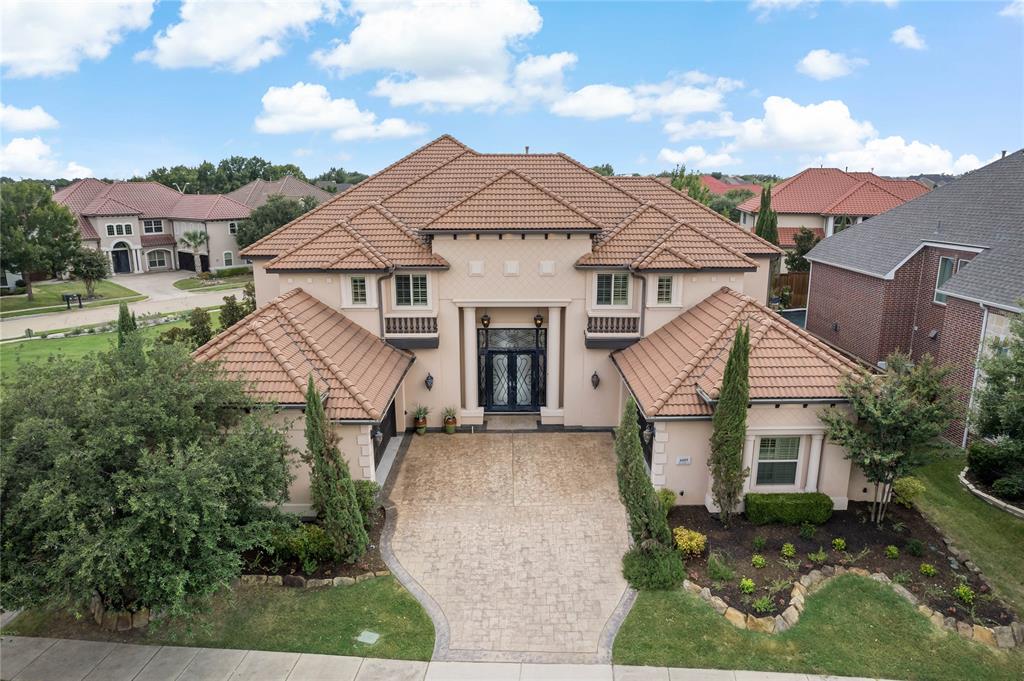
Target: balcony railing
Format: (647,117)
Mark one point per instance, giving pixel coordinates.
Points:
(613,325)
(410,326)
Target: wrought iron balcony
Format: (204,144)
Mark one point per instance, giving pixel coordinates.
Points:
(411,332)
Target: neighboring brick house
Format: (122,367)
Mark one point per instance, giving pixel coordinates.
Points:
(937,275)
(139,225)
(828,200)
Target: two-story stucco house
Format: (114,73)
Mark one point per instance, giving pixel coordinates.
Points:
(527,283)
(139,225)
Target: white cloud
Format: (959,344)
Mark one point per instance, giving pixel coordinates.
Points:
(542,77)
(452,55)
(307,107)
(302,152)
(788,126)
(15,119)
(908,37)
(772,5)
(233,35)
(696,156)
(32,157)
(45,38)
(1014,10)
(895,156)
(690,93)
(678,129)
(597,101)
(826,65)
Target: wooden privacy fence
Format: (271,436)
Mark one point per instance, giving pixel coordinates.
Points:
(797,283)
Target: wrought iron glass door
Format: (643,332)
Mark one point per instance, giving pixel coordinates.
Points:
(512,369)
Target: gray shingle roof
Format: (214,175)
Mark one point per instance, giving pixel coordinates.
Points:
(984,209)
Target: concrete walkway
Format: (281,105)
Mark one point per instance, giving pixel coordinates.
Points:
(47,659)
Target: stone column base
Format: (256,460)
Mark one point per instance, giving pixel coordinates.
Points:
(552,416)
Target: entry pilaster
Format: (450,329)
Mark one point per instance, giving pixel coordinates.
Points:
(552,412)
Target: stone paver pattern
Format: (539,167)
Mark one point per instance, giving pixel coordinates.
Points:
(517,537)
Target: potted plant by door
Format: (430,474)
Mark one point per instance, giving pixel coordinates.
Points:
(449,420)
(419,418)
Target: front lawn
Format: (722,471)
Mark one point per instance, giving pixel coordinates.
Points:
(853,627)
(325,620)
(49,296)
(214,284)
(993,538)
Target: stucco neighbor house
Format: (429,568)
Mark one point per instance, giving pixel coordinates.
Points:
(939,275)
(828,200)
(139,225)
(527,283)
(256,193)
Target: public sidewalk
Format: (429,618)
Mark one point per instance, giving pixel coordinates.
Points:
(47,659)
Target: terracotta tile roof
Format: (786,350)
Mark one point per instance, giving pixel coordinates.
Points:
(716,186)
(512,201)
(158,240)
(203,207)
(445,184)
(256,193)
(816,191)
(676,370)
(76,196)
(651,239)
(294,336)
(787,234)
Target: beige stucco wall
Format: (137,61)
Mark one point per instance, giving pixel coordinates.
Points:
(675,439)
(808,220)
(353,442)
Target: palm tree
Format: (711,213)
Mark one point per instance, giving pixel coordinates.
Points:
(195,239)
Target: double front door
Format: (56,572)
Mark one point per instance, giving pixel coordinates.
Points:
(512,369)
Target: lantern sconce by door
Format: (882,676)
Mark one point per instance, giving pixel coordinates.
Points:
(595,380)
(429,381)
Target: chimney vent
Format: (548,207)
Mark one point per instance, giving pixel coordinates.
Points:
(528,150)
(1004,153)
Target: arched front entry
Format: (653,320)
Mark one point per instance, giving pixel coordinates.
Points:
(122,258)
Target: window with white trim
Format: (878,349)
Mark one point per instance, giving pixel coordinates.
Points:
(612,289)
(946,269)
(128,229)
(358,288)
(411,290)
(232,228)
(229,258)
(665,289)
(110,230)
(777,459)
(157,259)
(119,230)
(153,226)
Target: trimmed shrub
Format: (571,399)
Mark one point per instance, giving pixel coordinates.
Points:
(788,550)
(747,585)
(690,543)
(839,544)
(788,509)
(654,569)
(367,496)
(233,271)
(892,552)
(1010,487)
(667,499)
(990,461)
(758,561)
(914,547)
(307,543)
(904,490)
(928,570)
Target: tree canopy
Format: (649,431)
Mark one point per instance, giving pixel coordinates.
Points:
(90,265)
(138,475)
(36,234)
(226,176)
(728,203)
(341,176)
(276,212)
(604,169)
(805,240)
(691,184)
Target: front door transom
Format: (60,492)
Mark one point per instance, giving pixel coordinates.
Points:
(512,368)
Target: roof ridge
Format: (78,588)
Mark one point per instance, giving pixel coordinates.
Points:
(652,249)
(857,187)
(218,340)
(395,220)
(331,365)
(702,351)
(278,354)
(626,221)
(367,247)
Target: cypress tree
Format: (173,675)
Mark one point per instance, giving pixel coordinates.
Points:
(730,428)
(767,226)
(331,486)
(125,324)
(647,522)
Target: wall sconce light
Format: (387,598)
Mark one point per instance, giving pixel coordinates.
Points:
(595,380)
(378,436)
(485,320)
(648,433)
(538,319)
(429,381)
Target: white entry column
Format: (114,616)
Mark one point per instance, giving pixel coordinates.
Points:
(472,413)
(814,464)
(552,412)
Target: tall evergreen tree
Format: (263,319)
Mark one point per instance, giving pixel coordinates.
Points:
(767,225)
(730,428)
(126,324)
(647,522)
(331,486)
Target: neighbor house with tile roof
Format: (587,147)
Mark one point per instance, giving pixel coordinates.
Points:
(139,225)
(725,184)
(257,192)
(938,275)
(527,283)
(828,200)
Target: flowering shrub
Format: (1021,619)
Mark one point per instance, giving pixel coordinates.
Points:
(747,585)
(690,543)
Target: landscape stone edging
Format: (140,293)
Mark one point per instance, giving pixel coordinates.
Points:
(997,637)
(300,582)
(117,620)
(988,498)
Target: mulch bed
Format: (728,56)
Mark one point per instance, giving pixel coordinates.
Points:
(257,562)
(865,548)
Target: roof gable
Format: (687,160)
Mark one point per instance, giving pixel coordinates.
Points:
(817,191)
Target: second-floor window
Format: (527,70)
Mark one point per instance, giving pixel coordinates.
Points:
(612,289)
(665,290)
(119,230)
(153,226)
(232,228)
(358,290)
(946,269)
(411,290)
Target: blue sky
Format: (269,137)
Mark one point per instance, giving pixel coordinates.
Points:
(117,88)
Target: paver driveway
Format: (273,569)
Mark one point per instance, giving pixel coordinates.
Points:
(517,537)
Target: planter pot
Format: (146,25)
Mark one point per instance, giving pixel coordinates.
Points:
(420,424)
(449,426)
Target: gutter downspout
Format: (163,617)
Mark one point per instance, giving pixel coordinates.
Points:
(643,297)
(380,298)
(974,379)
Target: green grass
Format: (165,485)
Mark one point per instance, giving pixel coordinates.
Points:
(852,627)
(49,296)
(218,284)
(73,347)
(275,618)
(993,538)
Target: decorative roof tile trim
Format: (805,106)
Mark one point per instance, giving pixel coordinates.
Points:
(628,220)
(332,366)
(350,190)
(653,248)
(225,338)
(278,354)
(395,220)
(764,324)
(701,353)
(367,248)
(123,208)
(537,185)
